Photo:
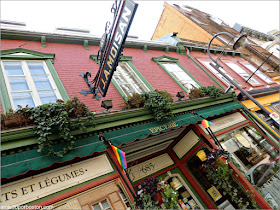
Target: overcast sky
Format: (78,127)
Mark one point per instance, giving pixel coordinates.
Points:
(45,16)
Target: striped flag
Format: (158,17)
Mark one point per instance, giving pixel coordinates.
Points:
(206,124)
(120,156)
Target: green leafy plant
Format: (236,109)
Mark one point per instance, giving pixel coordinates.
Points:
(59,118)
(219,172)
(135,101)
(169,196)
(153,192)
(196,93)
(212,91)
(159,103)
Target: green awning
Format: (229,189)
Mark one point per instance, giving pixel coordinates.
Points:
(19,163)
(130,134)
(22,162)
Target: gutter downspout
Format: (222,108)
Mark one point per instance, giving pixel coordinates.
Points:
(188,54)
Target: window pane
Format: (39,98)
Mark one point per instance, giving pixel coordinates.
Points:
(128,80)
(23,99)
(180,75)
(105,204)
(36,68)
(13,68)
(242,73)
(42,82)
(18,83)
(96,207)
(258,73)
(47,97)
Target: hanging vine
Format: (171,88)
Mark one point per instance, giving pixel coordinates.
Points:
(59,118)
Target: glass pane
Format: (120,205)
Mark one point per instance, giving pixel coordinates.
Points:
(36,68)
(258,73)
(13,68)
(42,82)
(96,207)
(47,97)
(18,83)
(105,204)
(23,99)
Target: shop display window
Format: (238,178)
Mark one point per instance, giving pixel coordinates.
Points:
(247,147)
(186,200)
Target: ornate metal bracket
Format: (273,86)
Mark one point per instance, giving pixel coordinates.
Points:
(92,90)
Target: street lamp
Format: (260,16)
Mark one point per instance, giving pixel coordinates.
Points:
(239,42)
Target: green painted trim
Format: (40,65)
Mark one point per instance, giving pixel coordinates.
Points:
(190,75)
(6,54)
(123,58)
(34,55)
(140,76)
(118,88)
(167,59)
(233,54)
(5,100)
(166,50)
(127,59)
(86,44)
(16,138)
(55,38)
(43,41)
(57,80)
(145,48)
(204,70)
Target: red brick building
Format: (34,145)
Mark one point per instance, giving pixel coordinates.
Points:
(37,68)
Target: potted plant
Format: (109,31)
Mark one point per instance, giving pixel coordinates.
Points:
(153,193)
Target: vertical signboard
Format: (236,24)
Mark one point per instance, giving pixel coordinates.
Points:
(116,42)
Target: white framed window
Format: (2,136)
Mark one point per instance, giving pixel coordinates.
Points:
(102,205)
(128,80)
(29,83)
(242,73)
(259,73)
(215,72)
(182,77)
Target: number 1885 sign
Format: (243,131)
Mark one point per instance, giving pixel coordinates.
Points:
(115,45)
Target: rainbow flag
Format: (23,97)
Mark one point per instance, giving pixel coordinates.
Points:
(206,124)
(120,156)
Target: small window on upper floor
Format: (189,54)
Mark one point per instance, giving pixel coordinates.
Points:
(28,78)
(259,73)
(181,76)
(177,72)
(215,72)
(128,80)
(241,72)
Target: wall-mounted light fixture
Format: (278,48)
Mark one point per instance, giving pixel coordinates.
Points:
(107,104)
(180,95)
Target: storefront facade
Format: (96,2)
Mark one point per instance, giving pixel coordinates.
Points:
(90,176)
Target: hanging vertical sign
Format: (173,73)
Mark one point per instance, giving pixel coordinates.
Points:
(111,46)
(115,45)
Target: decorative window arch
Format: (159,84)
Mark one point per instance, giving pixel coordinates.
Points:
(28,76)
(177,72)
